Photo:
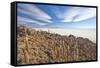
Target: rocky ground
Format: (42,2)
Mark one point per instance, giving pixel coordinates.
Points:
(36,47)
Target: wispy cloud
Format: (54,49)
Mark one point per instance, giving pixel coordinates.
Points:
(77,14)
(86,14)
(22,19)
(34,11)
(69,14)
(33,15)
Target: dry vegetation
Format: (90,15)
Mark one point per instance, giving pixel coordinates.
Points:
(35,47)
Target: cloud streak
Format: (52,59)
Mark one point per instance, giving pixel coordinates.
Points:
(34,12)
(77,14)
(86,14)
(22,19)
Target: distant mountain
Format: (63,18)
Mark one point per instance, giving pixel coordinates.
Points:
(35,47)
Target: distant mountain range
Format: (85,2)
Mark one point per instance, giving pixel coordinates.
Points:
(36,47)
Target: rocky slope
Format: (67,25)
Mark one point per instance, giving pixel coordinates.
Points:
(35,47)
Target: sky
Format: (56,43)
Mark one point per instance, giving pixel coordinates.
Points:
(55,16)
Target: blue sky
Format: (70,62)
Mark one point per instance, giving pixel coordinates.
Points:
(48,16)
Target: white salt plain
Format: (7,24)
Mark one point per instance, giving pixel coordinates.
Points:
(85,33)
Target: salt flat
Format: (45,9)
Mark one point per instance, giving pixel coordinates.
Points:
(85,33)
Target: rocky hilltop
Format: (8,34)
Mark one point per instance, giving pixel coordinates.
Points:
(35,47)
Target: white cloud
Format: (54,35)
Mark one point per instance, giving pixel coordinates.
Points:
(69,14)
(22,19)
(86,14)
(33,11)
(45,20)
(77,14)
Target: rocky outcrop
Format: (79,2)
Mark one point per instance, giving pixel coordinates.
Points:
(36,47)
